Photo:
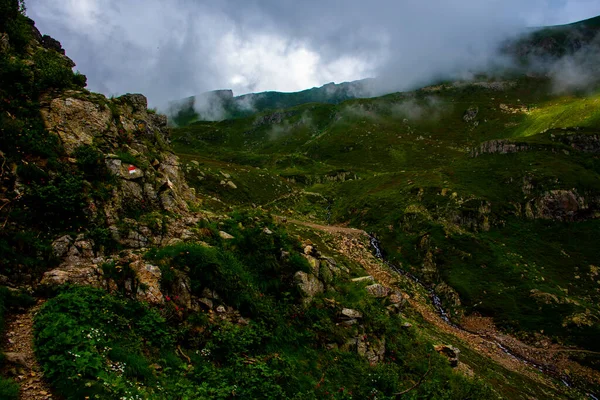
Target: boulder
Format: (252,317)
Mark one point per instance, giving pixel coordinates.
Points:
(364,279)
(471,114)
(4,43)
(225,236)
(79,275)
(148,276)
(377,290)
(449,352)
(139,102)
(130,172)
(61,246)
(309,285)
(397,298)
(76,122)
(314,263)
(351,314)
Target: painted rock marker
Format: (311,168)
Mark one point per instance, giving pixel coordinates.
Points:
(132,170)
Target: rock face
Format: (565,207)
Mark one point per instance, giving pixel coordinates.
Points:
(471,114)
(309,285)
(378,291)
(559,205)
(500,146)
(149,197)
(449,352)
(4,43)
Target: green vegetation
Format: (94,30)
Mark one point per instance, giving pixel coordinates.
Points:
(402,166)
(94,344)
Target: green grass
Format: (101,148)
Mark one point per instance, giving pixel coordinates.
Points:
(413,177)
(91,343)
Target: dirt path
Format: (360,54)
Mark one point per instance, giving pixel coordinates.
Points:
(325,228)
(18,346)
(478,333)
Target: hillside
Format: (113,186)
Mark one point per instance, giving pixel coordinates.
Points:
(221,104)
(432,244)
(486,191)
(545,50)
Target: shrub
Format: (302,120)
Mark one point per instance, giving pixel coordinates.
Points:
(91,343)
(52,71)
(9,390)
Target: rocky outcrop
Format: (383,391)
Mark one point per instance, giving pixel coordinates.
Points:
(309,285)
(471,114)
(580,142)
(4,43)
(558,205)
(378,291)
(500,146)
(450,352)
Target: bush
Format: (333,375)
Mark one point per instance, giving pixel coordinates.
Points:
(87,339)
(52,71)
(57,204)
(9,390)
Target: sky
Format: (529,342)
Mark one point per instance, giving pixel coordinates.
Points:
(172,49)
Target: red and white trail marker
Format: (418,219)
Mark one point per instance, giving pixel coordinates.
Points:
(132,169)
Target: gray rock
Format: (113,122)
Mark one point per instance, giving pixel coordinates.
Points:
(61,246)
(231,185)
(377,290)
(449,352)
(4,43)
(364,279)
(471,114)
(139,102)
(225,236)
(309,285)
(351,314)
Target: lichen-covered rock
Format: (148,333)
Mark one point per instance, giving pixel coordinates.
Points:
(559,205)
(309,285)
(471,114)
(351,314)
(76,121)
(449,352)
(314,263)
(89,275)
(377,290)
(225,236)
(4,43)
(149,277)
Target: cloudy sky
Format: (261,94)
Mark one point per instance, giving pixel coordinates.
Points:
(170,49)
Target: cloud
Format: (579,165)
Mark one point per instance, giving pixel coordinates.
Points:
(173,49)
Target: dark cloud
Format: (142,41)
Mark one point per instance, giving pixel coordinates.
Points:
(173,49)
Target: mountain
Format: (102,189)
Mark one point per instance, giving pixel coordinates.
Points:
(557,41)
(439,243)
(221,104)
(486,192)
(541,51)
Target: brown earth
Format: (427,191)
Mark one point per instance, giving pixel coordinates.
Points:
(478,333)
(23,365)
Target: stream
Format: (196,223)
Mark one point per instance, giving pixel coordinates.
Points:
(437,303)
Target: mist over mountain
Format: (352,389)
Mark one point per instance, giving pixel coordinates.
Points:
(569,54)
(171,51)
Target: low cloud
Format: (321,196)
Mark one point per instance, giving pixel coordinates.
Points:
(172,50)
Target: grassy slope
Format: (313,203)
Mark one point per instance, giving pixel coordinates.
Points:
(416,179)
